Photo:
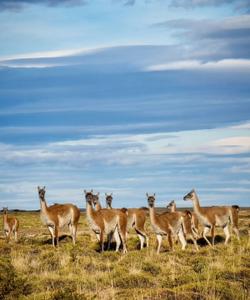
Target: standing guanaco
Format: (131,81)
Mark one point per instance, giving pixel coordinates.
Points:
(57,216)
(188,226)
(166,224)
(10,225)
(136,220)
(105,221)
(213,216)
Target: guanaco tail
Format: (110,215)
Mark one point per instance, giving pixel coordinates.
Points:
(57,216)
(166,224)
(213,216)
(10,225)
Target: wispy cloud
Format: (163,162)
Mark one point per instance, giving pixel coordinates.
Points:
(79,129)
(240,65)
(221,38)
(238,4)
(132,149)
(17,5)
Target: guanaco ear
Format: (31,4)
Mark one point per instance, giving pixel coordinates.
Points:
(85,192)
(91,191)
(44,187)
(38,188)
(154,194)
(147,194)
(106,194)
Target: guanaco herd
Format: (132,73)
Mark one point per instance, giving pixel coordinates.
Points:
(116,223)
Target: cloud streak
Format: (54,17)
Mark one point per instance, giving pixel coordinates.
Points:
(240,65)
(129,165)
(221,39)
(132,149)
(17,5)
(242,5)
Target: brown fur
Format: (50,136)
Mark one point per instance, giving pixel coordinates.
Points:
(57,216)
(10,225)
(106,221)
(190,221)
(213,216)
(166,224)
(194,219)
(136,220)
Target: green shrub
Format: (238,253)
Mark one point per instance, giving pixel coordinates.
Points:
(133,281)
(151,268)
(68,294)
(11,285)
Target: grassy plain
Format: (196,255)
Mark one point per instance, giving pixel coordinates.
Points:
(32,269)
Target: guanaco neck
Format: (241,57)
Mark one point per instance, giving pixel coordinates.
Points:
(43,205)
(152,214)
(98,206)
(89,210)
(173,207)
(109,206)
(5,217)
(196,203)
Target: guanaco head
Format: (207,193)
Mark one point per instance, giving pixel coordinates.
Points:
(41,192)
(88,196)
(109,199)
(151,200)
(190,195)
(170,204)
(95,198)
(5,210)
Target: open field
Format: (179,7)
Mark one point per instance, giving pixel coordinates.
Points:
(32,269)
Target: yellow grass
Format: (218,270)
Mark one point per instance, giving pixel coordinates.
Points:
(32,269)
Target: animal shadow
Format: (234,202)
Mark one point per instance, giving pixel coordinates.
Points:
(63,237)
(217,240)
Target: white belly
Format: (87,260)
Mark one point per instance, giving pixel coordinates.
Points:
(6,227)
(157,229)
(110,226)
(45,219)
(221,221)
(65,220)
(203,220)
(92,224)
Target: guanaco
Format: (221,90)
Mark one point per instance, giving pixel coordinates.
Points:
(136,220)
(188,226)
(57,216)
(10,225)
(213,216)
(165,224)
(105,221)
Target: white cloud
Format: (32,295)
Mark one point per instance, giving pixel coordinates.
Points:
(221,65)
(51,54)
(233,145)
(30,65)
(133,149)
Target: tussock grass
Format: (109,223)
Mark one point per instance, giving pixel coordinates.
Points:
(32,269)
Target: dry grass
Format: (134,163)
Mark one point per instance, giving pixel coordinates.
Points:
(32,269)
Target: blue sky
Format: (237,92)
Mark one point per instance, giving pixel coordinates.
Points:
(126,97)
